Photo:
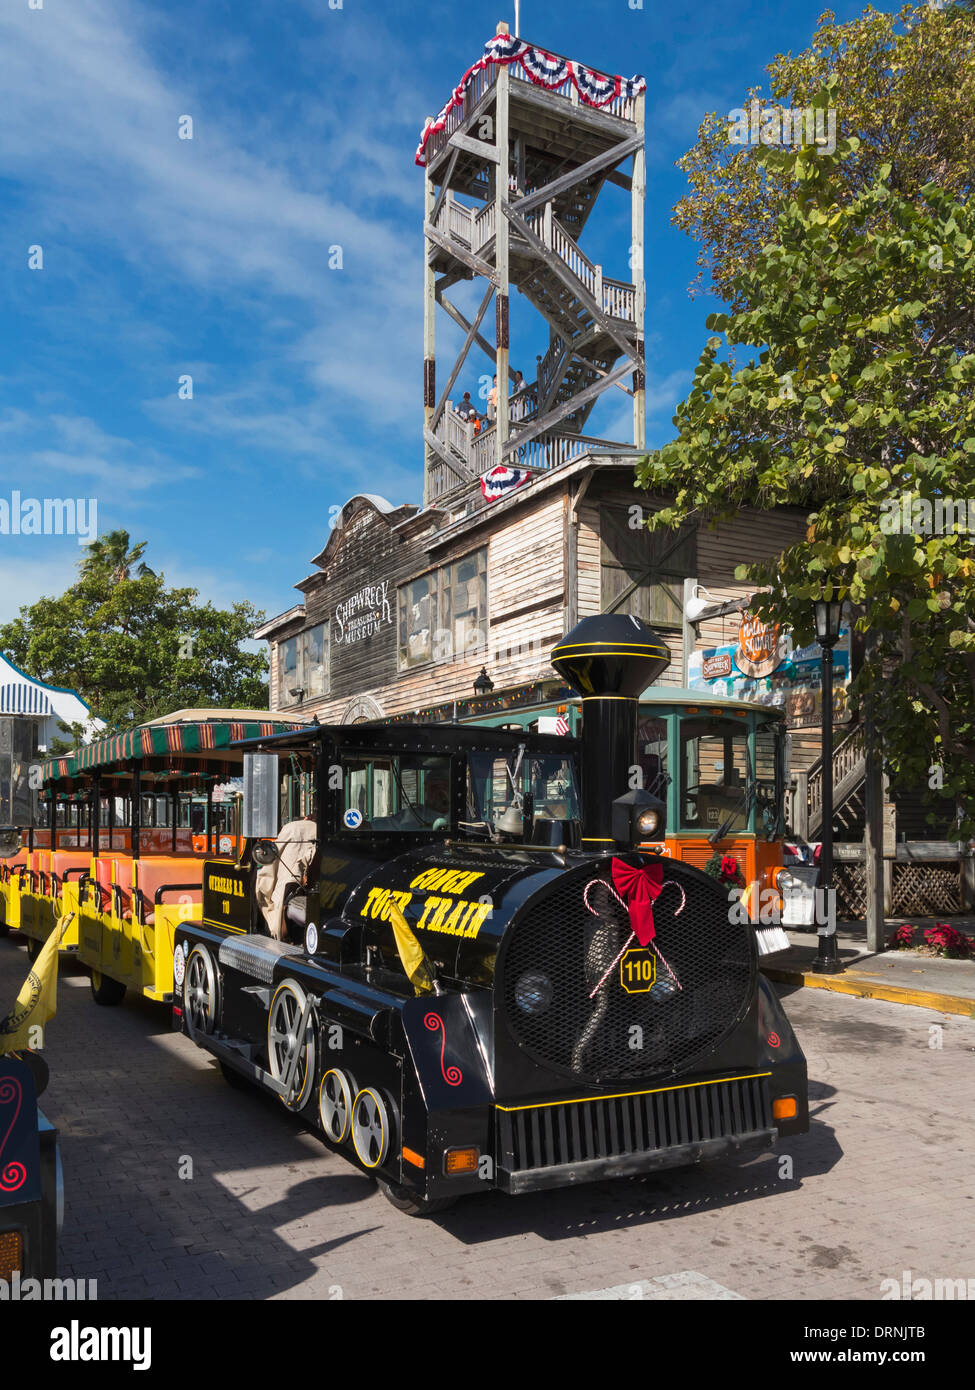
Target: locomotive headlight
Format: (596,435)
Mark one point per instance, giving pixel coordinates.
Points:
(638,816)
(648,822)
(533,992)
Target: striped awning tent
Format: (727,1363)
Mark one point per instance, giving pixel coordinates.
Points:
(162,740)
(24,698)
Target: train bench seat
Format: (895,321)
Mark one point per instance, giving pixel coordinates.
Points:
(71,862)
(183,874)
(9,866)
(109,870)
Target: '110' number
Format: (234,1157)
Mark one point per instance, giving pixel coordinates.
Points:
(639,971)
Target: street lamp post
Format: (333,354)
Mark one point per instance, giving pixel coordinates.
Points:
(827,616)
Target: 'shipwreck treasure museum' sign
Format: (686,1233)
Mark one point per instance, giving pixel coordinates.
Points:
(363,614)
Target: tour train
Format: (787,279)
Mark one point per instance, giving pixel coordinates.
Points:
(463,954)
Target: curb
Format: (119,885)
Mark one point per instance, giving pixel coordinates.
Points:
(849,982)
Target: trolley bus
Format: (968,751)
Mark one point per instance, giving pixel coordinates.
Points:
(719,766)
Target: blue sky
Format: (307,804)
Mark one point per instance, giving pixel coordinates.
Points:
(210,256)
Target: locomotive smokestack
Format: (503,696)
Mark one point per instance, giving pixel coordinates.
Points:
(609,660)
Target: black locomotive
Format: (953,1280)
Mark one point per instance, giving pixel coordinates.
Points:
(461,970)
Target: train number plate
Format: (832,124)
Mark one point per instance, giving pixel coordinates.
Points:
(638,970)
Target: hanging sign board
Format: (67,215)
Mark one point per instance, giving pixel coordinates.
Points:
(765,667)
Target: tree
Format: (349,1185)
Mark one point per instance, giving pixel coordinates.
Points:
(861,407)
(903,84)
(133,648)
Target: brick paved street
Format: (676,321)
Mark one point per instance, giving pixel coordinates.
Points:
(883,1182)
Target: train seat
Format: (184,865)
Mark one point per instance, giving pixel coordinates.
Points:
(149,875)
(107,870)
(39,861)
(7,866)
(74,859)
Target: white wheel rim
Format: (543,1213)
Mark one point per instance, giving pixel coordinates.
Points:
(282,1029)
(370,1128)
(335,1105)
(200,992)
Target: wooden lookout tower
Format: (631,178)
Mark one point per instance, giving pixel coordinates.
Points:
(514,164)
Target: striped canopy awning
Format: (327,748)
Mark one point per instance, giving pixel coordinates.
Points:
(21,698)
(168,741)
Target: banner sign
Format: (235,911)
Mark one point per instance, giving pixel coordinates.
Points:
(763,666)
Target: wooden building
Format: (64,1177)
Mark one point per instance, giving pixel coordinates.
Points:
(406,605)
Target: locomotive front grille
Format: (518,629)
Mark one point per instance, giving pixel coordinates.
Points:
(557,953)
(583,1131)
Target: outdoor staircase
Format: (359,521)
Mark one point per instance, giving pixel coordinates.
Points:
(513,219)
(849,774)
(591,323)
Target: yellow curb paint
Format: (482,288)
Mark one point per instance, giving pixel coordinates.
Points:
(866,989)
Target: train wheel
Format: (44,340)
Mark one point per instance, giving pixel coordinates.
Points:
(410,1204)
(335,1105)
(105,990)
(200,993)
(370,1128)
(283,1040)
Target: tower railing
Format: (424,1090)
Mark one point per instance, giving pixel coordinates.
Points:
(622,107)
(474,228)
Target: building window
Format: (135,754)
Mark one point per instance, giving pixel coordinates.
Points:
(313,657)
(464,609)
(443,614)
(303,666)
(643,572)
(417,620)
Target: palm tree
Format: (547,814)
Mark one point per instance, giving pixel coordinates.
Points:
(110,555)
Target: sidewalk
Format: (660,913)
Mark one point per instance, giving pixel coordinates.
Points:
(903,977)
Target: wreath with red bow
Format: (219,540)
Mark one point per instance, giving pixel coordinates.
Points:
(726,869)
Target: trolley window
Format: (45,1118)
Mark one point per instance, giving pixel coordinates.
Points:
(651,746)
(714,775)
(768,778)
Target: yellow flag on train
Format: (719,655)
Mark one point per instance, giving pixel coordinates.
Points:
(38,998)
(415,963)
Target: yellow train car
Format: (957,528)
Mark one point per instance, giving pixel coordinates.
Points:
(120,856)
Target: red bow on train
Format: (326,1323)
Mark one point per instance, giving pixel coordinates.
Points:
(639,888)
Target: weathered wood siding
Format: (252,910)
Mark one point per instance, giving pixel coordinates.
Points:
(526,603)
(529,584)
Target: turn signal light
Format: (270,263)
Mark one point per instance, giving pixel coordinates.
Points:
(11,1253)
(785,1108)
(460,1161)
(411,1156)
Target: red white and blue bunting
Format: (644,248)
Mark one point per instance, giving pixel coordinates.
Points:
(545,70)
(501,480)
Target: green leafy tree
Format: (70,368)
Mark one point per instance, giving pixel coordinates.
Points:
(135,649)
(859,394)
(902,83)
